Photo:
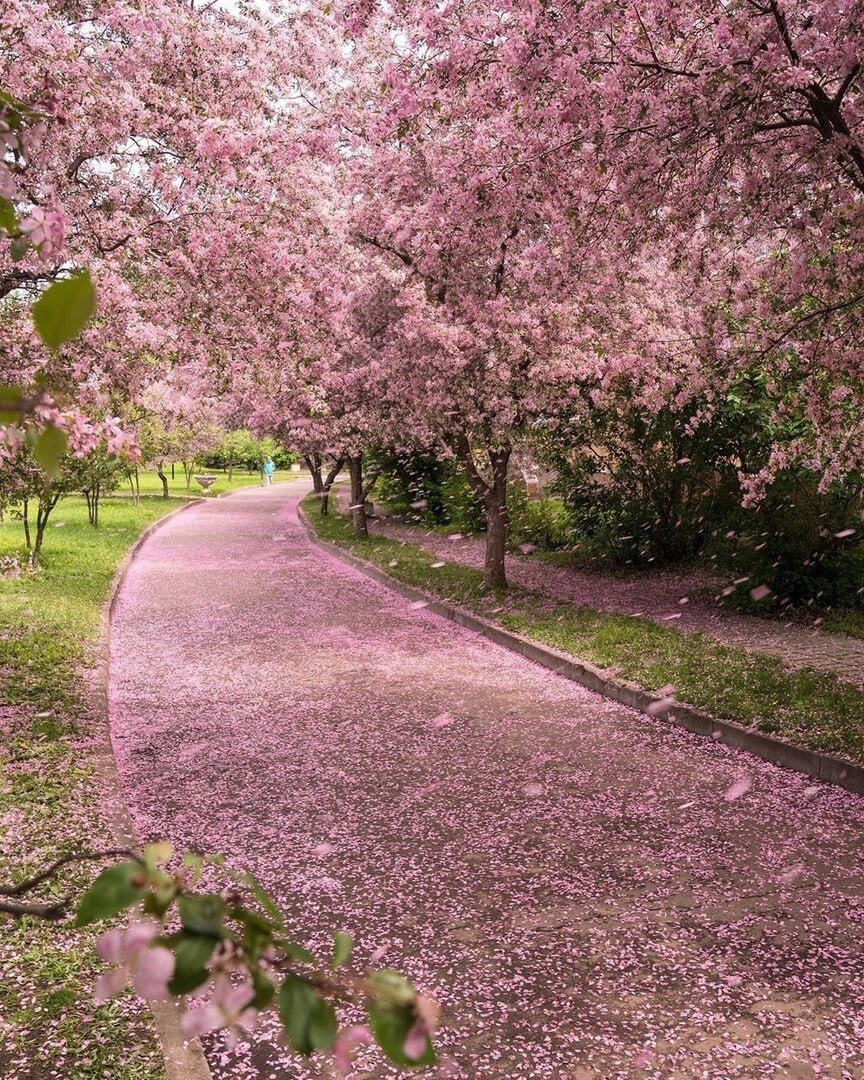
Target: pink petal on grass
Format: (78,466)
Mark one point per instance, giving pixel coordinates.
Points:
(760,592)
(527,549)
(442,721)
(321,851)
(844,533)
(419,604)
(109,984)
(438,565)
(532,790)
(109,947)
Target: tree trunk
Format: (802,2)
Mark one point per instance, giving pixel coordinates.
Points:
(188,469)
(164,479)
(313,464)
(328,483)
(136,491)
(358,503)
(43,512)
(493,492)
(172,470)
(26,520)
(88,499)
(94,517)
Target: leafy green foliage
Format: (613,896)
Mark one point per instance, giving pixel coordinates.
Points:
(192,953)
(343,946)
(309,1021)
(115,890)
(50,446)
(391,1023)
(64,309)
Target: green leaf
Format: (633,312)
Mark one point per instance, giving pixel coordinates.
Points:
(203,914)
(296,1003)
(117,888)
(11,404)
(264,989)
(323,1025)
(8,217)
(18,249)
(50,446)
(343,945)
(64,309)
(154,854)
(391,987)
(191,955)
(295,951)
(390,1024)
(263,897)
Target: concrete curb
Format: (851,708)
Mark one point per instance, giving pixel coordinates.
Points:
(831,770)
(184,1057)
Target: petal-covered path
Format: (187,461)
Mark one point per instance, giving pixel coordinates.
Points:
(566,875)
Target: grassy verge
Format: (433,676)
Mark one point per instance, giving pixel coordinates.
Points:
(845,622)
(809,708)
(49,802)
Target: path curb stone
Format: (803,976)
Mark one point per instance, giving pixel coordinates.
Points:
(184,1057)
(823,767)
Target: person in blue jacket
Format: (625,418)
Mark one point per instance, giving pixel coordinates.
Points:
(267,470)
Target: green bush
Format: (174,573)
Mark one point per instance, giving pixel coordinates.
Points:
(789,542)
(544,522)
(427,490)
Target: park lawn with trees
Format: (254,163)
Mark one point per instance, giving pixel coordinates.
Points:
(51,795)
(808,708)
(151,486)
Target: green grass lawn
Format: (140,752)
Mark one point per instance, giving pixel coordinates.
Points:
(150,483)
(49,624)
(809,708)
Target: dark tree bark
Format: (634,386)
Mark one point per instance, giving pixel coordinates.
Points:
(314,465)
(25,517)
(360,490)
(357,508)
(327,483)
(493,492)
(43,512)
(164,479)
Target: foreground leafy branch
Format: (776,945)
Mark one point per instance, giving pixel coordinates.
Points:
(233,950)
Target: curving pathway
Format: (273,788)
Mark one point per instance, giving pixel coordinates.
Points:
(564,873)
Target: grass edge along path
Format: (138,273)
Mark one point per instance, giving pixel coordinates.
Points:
(810,709)
(51,799)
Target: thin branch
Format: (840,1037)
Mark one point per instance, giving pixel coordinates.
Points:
(73,857)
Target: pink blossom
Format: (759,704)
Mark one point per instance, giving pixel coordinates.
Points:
(229,1007)
(148,967)
(347,1043)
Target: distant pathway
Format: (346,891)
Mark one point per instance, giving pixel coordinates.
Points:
(673,597)
(565,874)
